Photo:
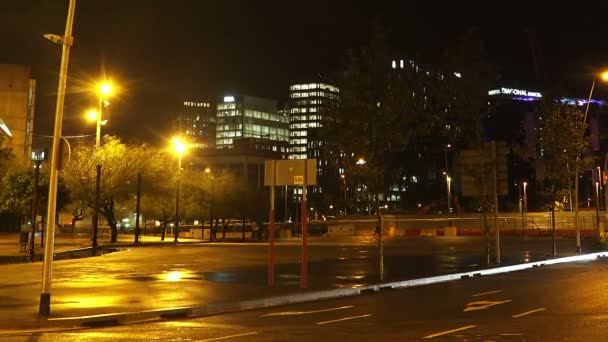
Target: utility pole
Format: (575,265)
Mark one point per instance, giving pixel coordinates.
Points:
(137,209)
(496,228)
(34,208)
(47,268)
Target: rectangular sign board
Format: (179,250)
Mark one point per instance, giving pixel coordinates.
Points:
(290,172)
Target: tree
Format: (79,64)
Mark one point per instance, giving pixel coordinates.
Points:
(120,165)
(16,190)
(378,115)
(562,139)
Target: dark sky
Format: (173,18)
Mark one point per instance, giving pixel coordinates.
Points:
(162,52)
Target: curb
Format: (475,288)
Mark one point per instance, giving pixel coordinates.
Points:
(113,319)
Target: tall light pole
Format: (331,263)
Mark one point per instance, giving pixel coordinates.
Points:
(447,178)
(599,179)
(597,207)
(344,184)
(179,148)
(604,77)
(47,268)
(104,89)
(525,211)
(211,204)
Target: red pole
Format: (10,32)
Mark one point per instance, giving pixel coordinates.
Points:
(271,230)
(304,271)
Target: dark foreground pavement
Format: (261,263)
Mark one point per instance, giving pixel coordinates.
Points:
(159,277)
(555,303)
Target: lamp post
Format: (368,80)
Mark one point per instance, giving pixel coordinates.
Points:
(211,204)
(604,77)
(179,148)
(66,41)
(448,179)
(104,89)
(599,179)
(37,157)
(525,211)
(344,184)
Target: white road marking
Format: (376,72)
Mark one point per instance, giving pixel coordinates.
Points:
(343,319)
(450,331)
(292,313)
(229,336)
(528,313)
(486,293)
(484,304)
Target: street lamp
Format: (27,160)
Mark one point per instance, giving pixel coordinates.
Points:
(448,179)
(66,41)
(344,184)
(212,203)
(525,211)
(104,89)
(604,77)
(179,148)
(361,161)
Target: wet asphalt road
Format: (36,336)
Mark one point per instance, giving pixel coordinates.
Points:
(156,277)
(557,303)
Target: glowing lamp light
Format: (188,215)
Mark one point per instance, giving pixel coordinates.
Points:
(179,146)
(605,76)
(92,115)
(105,88)
(361,161)
(173,276)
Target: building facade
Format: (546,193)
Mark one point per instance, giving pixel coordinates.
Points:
(249,117)
(307,105)
(196,123)
(17,102)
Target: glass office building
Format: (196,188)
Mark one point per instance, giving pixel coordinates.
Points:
(307,102)
(249,117)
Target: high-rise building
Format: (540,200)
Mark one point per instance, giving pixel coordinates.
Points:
(196,122)
(307,104)
(17,100)
(250,117)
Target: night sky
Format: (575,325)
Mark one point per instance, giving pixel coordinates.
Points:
(162,52)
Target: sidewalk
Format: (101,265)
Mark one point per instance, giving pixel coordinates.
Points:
(10,248)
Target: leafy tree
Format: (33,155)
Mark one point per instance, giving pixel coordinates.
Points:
(17,190)
(120,165)
(378,115)
(562,138)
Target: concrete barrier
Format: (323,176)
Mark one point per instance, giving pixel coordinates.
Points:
(341,230)
(450,231)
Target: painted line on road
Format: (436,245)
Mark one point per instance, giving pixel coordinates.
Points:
(486,293)
(528,313)
(450,331)
(484,304)
(292,313)
(229,336)
(343,319)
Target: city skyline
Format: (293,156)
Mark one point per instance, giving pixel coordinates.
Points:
(186,49)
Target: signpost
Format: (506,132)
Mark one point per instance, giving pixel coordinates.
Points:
(298,172)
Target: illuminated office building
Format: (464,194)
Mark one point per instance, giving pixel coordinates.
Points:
(307,104)
(196,123)
(250,117)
